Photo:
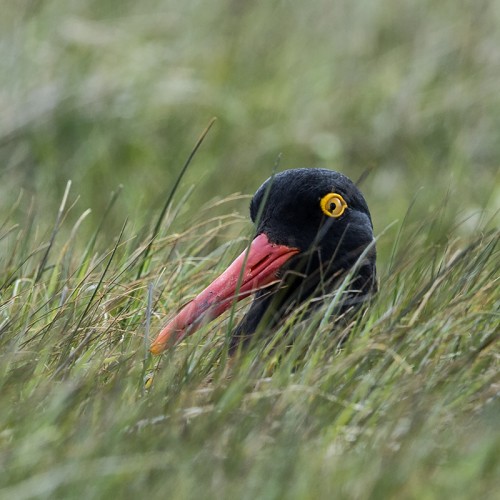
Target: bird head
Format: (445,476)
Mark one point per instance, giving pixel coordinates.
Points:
(311,225)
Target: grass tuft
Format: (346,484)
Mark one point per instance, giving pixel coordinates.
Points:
(408,398)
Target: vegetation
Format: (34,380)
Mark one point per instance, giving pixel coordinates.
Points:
(102,103)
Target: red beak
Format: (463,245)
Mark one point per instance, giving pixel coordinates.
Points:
(252,270)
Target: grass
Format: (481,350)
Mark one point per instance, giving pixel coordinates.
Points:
(102,103)
(406,409)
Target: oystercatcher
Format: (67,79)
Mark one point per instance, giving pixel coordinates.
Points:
(313,232)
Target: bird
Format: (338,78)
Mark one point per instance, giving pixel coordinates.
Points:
(313,230)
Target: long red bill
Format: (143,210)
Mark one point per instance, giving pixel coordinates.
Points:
(252,270)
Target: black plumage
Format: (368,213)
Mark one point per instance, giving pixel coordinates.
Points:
(286,209)
(313,228)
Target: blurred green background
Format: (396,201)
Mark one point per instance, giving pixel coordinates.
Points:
(110,92)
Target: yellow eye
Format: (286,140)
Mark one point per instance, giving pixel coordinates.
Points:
(333,205)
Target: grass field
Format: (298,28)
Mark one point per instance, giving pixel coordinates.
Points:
(102,103)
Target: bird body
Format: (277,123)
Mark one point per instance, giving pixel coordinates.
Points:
(313,228)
